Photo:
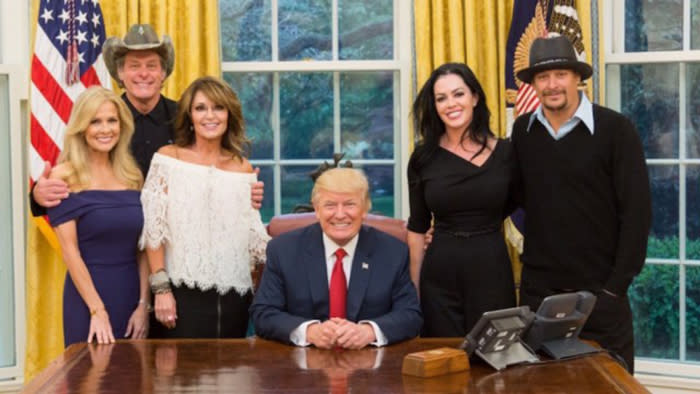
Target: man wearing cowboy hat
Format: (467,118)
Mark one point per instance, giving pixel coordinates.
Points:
(586,196)
(140,63)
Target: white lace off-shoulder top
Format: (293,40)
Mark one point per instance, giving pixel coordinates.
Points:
(212,236)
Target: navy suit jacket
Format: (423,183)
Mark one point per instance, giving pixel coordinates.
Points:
(294,285)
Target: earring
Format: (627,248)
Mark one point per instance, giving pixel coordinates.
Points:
(191,128)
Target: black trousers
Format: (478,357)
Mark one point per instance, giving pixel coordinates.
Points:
(207,314)
(610,323)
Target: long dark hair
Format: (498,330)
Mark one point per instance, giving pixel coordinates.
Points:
(428,123)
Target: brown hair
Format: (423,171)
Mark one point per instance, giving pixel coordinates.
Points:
(234,139)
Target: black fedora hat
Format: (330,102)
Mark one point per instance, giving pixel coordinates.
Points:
(551,53)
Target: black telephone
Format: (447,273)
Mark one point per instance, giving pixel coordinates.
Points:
(558,323)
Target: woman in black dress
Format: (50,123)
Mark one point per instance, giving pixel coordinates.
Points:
(460,176)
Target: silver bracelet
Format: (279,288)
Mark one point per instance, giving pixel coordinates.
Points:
(159,282)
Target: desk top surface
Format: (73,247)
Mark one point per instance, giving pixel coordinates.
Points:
(258,366)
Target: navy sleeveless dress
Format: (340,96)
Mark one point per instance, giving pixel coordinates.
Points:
(109,224)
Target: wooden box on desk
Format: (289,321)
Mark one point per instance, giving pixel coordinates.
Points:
(435,362)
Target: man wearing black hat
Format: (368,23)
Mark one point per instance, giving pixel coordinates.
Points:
(140,63)
(586,196)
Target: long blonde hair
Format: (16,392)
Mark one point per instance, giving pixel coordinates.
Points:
(75,148)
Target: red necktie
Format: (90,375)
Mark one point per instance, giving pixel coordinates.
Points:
(338,287)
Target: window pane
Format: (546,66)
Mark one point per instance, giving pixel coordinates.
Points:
(654,299)
(649,96)
(653,25)
(268,206)
(255,92)
(381,188)
(306,115)
(692,313)
(245,30)
(7,290)
(305,29)
(296,187)
(695,24)
(693,109)
(663,240)
(367,115)
(692,218)
(366,29)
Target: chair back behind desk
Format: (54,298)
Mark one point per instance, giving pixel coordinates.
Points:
(254,365)
(280,224)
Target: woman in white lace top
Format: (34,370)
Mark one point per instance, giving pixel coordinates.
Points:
(200,232)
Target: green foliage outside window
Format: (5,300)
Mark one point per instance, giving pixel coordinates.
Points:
(654,298)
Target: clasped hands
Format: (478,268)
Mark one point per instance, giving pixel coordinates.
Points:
(342,333)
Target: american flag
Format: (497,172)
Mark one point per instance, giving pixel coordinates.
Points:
(529,22)
(67,59)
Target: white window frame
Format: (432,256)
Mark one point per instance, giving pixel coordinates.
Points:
(15,76)
(654,372)
(15,24)
(401,63)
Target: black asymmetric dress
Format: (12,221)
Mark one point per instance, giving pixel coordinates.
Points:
(466,270)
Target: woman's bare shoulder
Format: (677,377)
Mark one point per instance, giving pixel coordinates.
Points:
(168,150)
(245,165)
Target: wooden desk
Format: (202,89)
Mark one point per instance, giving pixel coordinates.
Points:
(260,366)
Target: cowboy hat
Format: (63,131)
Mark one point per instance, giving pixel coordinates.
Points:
(138,38)
(551,53)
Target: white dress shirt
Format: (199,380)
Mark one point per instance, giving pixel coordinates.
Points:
(298,335)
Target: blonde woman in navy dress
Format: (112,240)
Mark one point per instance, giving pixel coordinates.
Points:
(105,294)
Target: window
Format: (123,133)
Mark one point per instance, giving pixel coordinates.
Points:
(318,77)
(14,33)
(11,226)
(653,76)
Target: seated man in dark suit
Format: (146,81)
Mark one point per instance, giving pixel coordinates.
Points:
(337,283)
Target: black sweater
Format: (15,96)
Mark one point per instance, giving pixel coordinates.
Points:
(587,204)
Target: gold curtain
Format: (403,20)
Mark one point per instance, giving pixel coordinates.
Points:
(476,33)
(194,28)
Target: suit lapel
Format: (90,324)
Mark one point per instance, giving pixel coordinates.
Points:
(315,264)
(359,274)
